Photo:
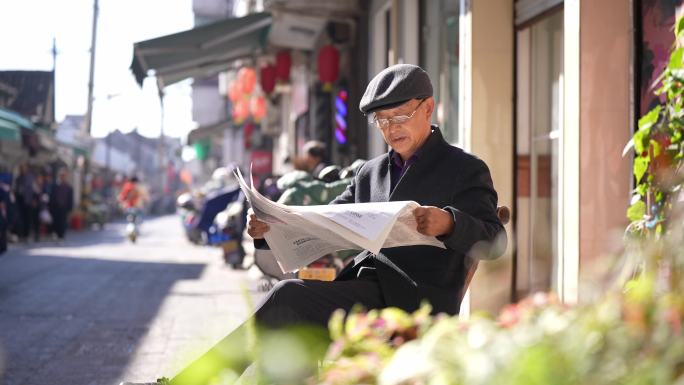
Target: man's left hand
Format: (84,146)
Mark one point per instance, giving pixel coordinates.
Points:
(433,221)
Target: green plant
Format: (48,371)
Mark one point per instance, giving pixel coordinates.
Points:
(634,335)
(659,149)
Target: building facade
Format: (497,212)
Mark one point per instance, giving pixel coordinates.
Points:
(545,91)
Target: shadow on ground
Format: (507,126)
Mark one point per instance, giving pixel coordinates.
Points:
(77,321)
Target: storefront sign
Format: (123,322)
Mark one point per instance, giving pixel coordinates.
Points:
(262,162)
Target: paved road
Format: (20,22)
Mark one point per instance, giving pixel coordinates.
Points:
(97,309)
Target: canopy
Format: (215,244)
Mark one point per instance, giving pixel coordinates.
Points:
(201,51)
(11,124)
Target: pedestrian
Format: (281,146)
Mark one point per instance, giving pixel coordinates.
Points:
(27,196)
(46,214)
(458,202)
(61,204)
(133,195)
(312,159)
(4,216)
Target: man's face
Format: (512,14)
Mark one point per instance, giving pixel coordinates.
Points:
(407,137)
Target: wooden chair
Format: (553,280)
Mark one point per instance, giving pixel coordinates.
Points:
(504,214)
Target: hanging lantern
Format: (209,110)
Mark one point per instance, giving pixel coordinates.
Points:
(233,91)
(258,108)
(283,64)
(240,111)
(328,66)
(247,77)
(268,78)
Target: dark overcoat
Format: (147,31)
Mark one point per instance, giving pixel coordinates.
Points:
(443,176)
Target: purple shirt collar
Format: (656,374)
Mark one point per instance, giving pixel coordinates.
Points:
(398,166)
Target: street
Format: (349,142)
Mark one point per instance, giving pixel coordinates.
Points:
(96,309)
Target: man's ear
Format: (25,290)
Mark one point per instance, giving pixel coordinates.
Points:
(430,108)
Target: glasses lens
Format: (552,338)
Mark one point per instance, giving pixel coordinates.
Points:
(400,119)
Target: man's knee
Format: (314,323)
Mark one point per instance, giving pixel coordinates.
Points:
(288,290)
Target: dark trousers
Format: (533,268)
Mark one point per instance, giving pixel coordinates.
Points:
(30,222)
(299,307)
(3,234)
(59,221)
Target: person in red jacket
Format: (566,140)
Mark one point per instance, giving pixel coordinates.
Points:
(132,195)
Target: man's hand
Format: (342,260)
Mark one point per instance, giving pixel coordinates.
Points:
(433,221)
(255,227)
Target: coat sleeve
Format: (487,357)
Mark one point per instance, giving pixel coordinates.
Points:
(348,195)
(475,219)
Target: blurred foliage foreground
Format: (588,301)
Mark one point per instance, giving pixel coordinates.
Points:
(631,335)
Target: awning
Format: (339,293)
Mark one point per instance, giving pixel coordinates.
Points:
(11,124)
(210,132)
(201,51)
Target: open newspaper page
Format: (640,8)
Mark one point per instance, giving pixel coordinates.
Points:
(294,240)
(372,226)
(301,234)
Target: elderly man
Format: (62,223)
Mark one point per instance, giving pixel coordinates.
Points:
(458,207)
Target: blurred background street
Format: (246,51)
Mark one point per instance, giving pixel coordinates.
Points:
(96,309)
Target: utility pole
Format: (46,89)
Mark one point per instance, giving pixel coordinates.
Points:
(161,145)
(54,81)
(89,111)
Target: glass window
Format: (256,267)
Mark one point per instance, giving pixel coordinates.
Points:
(439,57)
(539,113)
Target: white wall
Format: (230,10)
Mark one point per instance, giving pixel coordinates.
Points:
(407,51)
(207,105)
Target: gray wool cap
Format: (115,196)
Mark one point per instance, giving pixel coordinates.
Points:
(395,85)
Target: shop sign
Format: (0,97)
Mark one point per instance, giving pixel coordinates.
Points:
(262,162)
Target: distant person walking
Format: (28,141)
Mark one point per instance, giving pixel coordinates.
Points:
(4,216)
(27,195)
(61,204)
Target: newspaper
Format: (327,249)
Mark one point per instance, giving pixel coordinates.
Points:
(299,235)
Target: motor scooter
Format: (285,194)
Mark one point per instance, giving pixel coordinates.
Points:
(133,225)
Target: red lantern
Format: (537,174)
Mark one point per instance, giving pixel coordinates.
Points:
(328,66)
(247,77)
(258,108)
(283,64)
(268,78)
(241,110)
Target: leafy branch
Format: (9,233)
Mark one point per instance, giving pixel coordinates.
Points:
(659,149)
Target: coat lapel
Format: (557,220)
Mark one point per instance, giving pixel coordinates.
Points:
(381,188)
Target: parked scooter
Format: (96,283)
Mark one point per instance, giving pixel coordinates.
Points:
(219,222)
(230,223)
(187,210)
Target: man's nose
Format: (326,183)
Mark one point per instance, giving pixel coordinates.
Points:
(392,127)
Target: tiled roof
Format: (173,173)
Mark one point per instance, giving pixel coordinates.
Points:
(35,94)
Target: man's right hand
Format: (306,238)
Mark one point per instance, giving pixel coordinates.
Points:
(256,228)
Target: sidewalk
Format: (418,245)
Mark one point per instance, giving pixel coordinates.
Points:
(96,309)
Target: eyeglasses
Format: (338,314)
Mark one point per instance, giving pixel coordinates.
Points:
(399,119)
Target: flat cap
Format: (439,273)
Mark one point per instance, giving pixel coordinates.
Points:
(395,85)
